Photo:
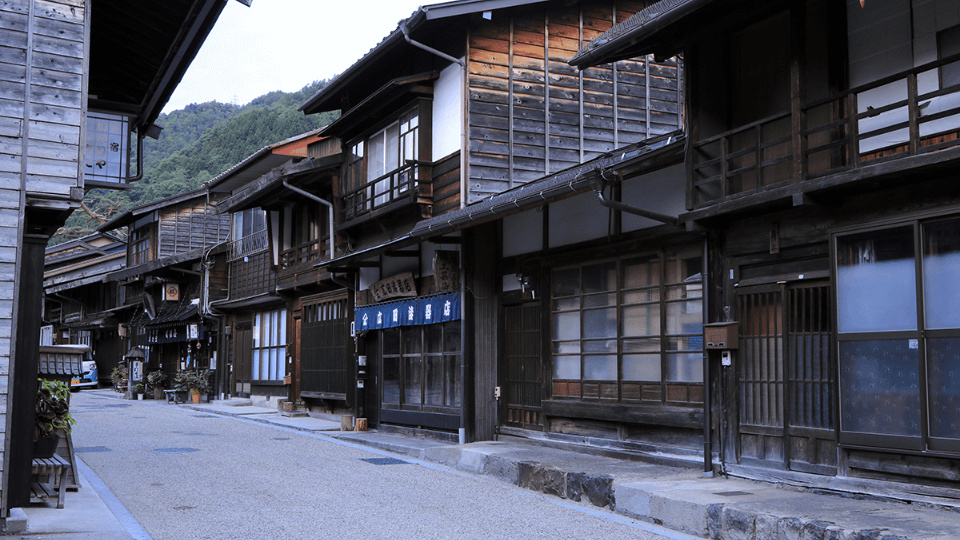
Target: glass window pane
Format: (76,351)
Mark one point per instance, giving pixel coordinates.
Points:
(876,287)
(684,265)
(566,347)
(411,340)
(255,364)
(566,282)
(641,272)
(641,367)
(451,337)
(600,300)
(566,325)
(433,338)
(941,266)
(412,380)
(391,380)
(641,320)
(641,345)
(433,394)
(598,323)
(943,366)
(562,304)
(600,368)
(603,345)
(566,367)
(879,387)
(453,385)
(375,160)
(685,367)
(685,317)
(391,340)
(600,277)
(392,151)
(642,295)
(690,343)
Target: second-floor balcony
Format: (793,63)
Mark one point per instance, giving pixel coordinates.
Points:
(868,131)
(311,251)
(384,193)
(248,245)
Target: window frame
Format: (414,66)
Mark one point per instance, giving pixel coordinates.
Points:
(923,442)
(665,390)
(141,245)
(359,193)
(269,335)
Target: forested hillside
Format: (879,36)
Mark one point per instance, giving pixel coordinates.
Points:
(199,142)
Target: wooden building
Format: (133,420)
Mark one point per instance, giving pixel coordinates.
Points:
(79,78)
(822,150)
(81,305)
(278,200)
(169,280)
(470,148)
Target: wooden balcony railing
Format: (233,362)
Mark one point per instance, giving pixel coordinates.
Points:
(399,185)
(248,245)
(308,252)
(901,115)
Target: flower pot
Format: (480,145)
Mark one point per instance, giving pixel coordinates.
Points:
(45,447)
(195,395)
(139,397)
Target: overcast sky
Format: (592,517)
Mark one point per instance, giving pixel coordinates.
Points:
(284,45)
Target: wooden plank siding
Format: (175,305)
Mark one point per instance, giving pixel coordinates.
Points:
(42,104)
(446,184)
(530,114)
(191,226)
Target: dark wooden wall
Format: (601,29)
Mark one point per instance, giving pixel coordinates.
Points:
(531,114)
(446,184)
(256,276)
(191,226)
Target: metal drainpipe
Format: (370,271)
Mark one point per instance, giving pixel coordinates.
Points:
(599,183)
(429,49)
(329,206)
(707,409)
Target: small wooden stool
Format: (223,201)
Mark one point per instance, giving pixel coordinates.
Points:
(56,469)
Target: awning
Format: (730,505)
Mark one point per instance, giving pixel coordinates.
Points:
(432,309)
(173,314)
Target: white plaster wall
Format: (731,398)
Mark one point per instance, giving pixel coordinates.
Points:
(662,191)
(523,233)
(578,219)
(447,112)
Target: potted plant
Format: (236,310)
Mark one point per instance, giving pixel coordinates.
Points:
(119,378)
(139,391)
(194,381)
(52,417)
(156,379)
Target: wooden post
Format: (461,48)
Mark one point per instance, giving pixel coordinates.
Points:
(361,424)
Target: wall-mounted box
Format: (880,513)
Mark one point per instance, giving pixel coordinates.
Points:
(722,335)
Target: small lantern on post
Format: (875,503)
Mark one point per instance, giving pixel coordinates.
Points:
(135,358)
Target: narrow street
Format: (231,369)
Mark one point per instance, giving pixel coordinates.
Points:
(187,474)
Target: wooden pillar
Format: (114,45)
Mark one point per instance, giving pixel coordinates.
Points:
(23,371)
(480,331)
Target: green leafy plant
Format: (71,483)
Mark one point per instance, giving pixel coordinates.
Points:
(138,389)
(156,379)
(119,378)
(53,410)
(192,379)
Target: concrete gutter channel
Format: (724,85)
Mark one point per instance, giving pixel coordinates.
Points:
(676,497)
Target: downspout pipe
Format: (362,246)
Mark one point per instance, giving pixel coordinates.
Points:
(599,183)
(313,197)
(429,49)
(707,395)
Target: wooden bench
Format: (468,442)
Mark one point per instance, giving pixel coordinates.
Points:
(175,396)
(55,469)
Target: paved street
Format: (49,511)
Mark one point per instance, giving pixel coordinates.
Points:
(186,474)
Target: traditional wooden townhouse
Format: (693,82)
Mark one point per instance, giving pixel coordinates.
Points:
(278,200)
(821,162)
(168,282)
(81,306)
(79,78)
(509,227)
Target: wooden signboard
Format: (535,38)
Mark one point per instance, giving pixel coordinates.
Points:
(398,286)
(446,271)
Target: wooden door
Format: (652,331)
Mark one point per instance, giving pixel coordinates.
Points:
(521,377)
(243,344)
(785,378)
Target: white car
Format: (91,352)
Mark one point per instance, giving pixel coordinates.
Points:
(89,377)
